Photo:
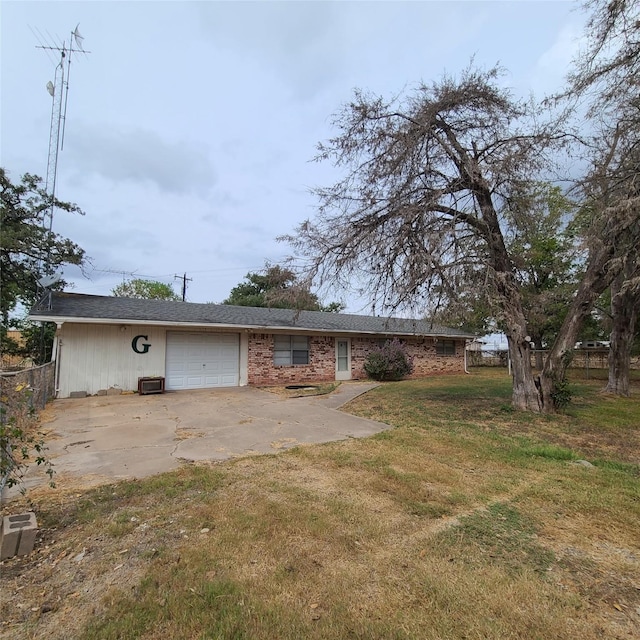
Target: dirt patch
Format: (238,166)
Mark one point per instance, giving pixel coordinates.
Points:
(303,391)
(185,434)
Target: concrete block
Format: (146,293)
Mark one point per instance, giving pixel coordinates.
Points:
(102,392)
(112,391)
(78,394)
(18,535)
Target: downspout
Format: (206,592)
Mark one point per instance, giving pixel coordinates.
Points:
(465,356)
(57,351)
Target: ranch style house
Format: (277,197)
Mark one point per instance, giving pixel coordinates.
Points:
(105,342)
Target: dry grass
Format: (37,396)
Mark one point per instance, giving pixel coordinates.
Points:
(465,521)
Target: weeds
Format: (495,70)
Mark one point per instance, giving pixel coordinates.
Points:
(20,441)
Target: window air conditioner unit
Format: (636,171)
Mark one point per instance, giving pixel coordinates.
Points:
(150,385)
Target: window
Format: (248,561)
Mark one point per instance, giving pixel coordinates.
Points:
(289,350)
(446,348)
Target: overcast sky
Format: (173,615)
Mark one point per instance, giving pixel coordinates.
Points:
(191,125)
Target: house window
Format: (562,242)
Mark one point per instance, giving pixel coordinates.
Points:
(446,348)
(289,350)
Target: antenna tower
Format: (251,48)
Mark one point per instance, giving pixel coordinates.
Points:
(59,92)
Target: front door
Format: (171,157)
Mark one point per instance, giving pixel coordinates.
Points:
(343,359)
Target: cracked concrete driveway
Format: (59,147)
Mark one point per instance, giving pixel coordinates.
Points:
(122,437)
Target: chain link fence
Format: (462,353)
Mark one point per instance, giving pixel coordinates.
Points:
(584,360)
(22,395)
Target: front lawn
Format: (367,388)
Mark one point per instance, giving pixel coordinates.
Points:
(465,520)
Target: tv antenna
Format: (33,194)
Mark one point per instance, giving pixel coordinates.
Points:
(59,92)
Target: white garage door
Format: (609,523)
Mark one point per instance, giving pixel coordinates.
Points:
(202,360)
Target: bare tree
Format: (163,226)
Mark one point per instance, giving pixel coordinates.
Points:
(427,198)
(608,69)
(611,239)
(625,302)
(607,75)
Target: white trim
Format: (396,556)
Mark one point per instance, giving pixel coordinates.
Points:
(243,380)
(343,375)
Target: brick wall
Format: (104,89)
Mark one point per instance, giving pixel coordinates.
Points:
(262,371)
(422,350)
(321,367)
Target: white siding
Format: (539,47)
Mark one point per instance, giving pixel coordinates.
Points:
(98,356)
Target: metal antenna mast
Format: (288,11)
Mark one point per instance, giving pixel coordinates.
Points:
(59,91)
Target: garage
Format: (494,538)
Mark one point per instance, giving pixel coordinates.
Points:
(202,360)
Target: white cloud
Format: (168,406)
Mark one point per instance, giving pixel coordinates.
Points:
(191,124)
(139,155)
(552,65)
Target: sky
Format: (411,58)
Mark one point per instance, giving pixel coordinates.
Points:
(191,127)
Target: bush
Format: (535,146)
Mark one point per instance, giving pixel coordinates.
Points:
(20,441)
(389,362)
(561,393)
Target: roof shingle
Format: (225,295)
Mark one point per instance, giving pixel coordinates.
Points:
(75,307)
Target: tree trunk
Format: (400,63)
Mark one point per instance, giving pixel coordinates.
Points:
(525,391)
(525,394)
(624,311)
(596,279)
(539,353)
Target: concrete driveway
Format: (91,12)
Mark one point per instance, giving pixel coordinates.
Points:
(110,438)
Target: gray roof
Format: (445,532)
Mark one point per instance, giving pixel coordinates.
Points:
(76,307)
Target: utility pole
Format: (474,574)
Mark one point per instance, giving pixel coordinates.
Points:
(184,285)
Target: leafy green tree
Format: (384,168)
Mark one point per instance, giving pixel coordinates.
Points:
(146,289)
(28,249)
(545,259)
(277,287)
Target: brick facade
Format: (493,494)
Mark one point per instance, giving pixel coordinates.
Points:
(423,351)
(321,367)
(262,371)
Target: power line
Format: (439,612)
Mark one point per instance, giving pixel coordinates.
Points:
(124,272)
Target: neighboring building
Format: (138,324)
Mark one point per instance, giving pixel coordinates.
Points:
(106,342)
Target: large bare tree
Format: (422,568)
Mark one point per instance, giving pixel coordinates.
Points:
(427,199)
(607,76)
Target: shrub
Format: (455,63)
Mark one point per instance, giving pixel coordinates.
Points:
(561,393)
(389,362)
(20,442)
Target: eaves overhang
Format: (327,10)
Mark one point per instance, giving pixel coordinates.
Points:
(60,320)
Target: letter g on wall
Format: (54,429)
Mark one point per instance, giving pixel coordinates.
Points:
(140,348)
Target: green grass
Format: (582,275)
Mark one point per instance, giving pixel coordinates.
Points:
(464,519)
(500,535)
